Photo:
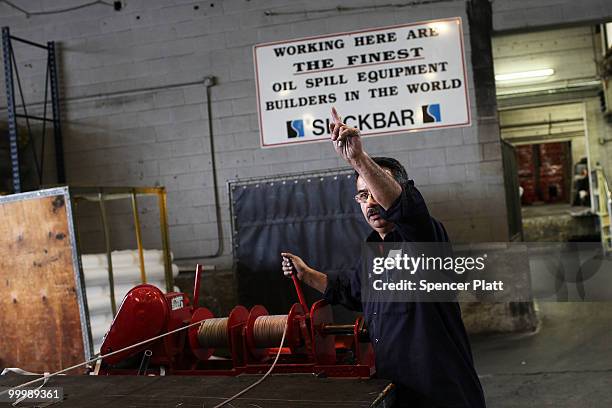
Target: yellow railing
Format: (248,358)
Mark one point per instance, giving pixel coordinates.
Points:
(602,206)
(104,194)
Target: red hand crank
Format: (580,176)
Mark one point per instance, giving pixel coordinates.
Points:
(298,289)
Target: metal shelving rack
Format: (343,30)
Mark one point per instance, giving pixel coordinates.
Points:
(11,73)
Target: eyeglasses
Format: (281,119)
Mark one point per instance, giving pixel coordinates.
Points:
(363,196)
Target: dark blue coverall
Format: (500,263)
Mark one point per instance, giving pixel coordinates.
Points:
(421,346)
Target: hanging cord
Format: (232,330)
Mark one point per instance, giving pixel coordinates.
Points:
(209,82)
(64,10)
(250,387)
(340,9)
(46,377)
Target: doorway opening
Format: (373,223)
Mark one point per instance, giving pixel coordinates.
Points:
(553,119)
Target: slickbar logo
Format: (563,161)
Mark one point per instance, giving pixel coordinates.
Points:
(295,128)
(431,113)
(364,122)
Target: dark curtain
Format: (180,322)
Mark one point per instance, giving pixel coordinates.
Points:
(313,216)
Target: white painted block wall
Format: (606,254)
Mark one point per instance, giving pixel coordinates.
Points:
(126,275)
(117,133)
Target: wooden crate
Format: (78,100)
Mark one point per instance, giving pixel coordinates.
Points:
(43,308)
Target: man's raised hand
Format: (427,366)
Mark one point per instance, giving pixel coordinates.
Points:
(346,139)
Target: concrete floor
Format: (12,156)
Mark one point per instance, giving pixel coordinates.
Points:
(542,210)
(566,363)
(558,223)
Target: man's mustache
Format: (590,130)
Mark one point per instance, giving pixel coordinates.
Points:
(373,211)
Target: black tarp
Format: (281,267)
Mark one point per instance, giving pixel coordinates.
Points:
(312,215)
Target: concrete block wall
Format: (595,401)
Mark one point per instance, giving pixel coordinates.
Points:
(528,14)
(135,107)
(570,51)
(599,135)
(135,112)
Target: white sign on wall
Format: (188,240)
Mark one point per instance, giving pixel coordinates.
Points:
(386,80)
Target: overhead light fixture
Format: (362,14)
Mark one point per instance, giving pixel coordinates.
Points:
(540,73)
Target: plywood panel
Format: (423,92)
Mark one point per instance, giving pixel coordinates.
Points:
(40,323)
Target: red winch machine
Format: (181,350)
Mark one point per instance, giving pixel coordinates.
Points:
(246,341)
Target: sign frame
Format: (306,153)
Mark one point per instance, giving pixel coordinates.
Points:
(467,123)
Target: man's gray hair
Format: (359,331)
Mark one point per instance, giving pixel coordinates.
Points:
(399,172)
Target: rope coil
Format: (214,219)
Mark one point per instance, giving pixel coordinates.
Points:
(268,330)
(213,333)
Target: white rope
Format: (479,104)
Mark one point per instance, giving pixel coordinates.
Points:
(25,396)
(250,387)
(17,371)
(46,377)
(247,389)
